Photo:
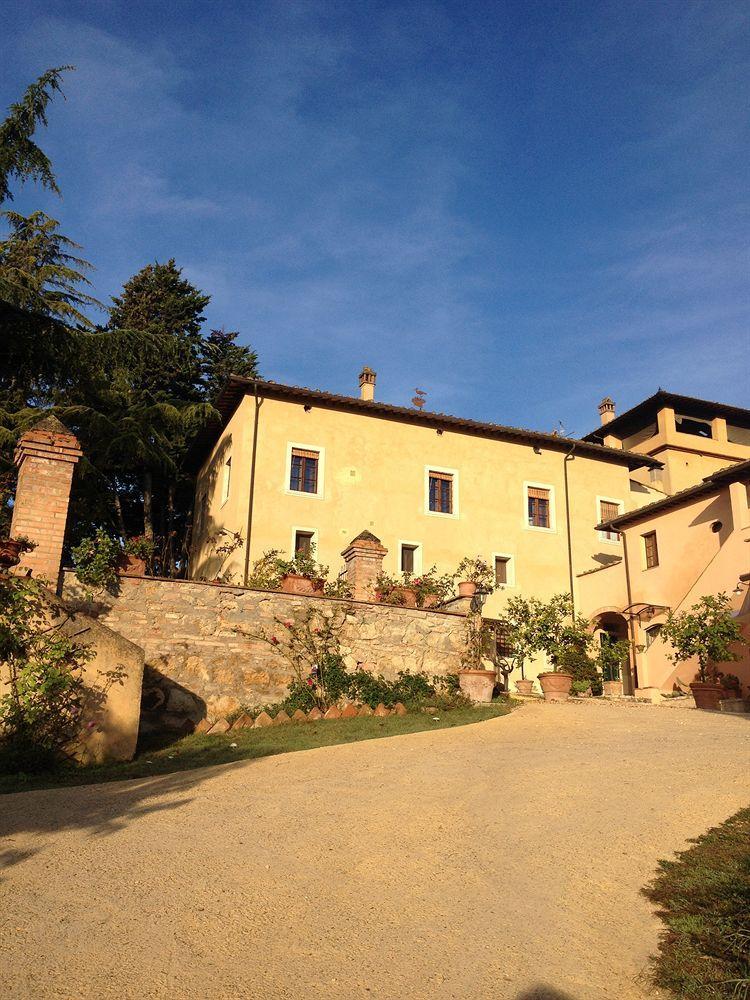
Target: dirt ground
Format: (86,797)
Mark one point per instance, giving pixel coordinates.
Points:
(499,860)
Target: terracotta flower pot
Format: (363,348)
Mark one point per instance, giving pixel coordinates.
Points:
(555,685)
(612,689)
(466,588)
(430,601)
(292,583)
(477,685)
(132,566)
(707,696)
(409,596)
(10,552)
(525,687)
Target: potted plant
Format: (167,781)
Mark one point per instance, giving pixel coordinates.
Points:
(731,684)
(609,659)
(707,632)
(429,588)
(96,559)
(12,548)
(302,574)
(136,556)
(474,574)
(475,680)
(390,590)
(560,632)
(518,635)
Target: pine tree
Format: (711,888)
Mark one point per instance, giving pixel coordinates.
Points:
(222,358)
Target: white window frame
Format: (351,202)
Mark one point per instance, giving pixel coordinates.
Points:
(226,479)
(417,546)
(621,508)
(448,472)
(320,492)
(307,531)
(510,569)
(552,530)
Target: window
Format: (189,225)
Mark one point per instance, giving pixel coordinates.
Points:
(441,492)
(608,509)
(304,471)
(650,550)
(303,543)
(538,500)
(227,480)
(652,634)
(687,425)
(408,553)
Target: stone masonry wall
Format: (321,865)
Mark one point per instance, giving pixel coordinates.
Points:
(205,668)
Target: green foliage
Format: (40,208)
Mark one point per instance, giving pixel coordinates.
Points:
(340,589)
(706,631)
(531,626)
(704,900)
(583,670)
(96,559)
(430,587)
(222,357)
(266,572)
(140,547)
(476,570)
(20,158)
(45,696)
(38,273)
(302,564)
(388,589)
(611,656)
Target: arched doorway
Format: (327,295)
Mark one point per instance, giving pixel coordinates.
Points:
(612,626)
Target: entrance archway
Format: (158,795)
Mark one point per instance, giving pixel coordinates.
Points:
(612,626)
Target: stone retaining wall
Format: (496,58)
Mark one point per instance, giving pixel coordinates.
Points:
(203,667)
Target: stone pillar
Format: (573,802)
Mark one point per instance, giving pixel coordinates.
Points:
(364,560)
(46,456)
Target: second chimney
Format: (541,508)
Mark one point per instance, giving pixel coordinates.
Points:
(606,410)
(367,384)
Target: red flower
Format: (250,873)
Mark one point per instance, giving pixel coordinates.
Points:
(274,640)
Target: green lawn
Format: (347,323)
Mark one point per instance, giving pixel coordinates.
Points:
(201,751)
(704,900)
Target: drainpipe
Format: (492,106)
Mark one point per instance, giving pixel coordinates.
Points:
(632,661)
(569,458)
(251,499)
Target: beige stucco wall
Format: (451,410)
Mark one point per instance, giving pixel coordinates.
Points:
(694,561)
(374,479)
(112,677)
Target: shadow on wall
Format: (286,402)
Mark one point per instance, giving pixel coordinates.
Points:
(543,992)
(206,531)
(167,706)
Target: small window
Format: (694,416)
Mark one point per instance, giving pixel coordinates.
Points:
(501,570)
(409,558)
(608,510)
(441,492)
(651,550)
(538,507)
(652,634)
(227,480)
(303,543)
(304,471)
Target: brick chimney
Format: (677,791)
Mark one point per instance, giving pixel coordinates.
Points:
(367,384)
(46,456)
(364,560)
(606,410)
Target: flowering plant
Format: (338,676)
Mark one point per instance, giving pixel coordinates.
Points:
(430,585)
(140,547)
(478,571)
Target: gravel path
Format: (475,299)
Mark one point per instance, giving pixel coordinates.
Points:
(499,860)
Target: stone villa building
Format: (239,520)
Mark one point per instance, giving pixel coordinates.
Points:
(293,466)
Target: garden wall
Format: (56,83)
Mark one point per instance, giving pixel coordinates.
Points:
(198,665)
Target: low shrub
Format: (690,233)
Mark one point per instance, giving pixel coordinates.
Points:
(583,668)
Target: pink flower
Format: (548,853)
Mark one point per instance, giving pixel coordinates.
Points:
(288,624)
(90,725)
(274,640)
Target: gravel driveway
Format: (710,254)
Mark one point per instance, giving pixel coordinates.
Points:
(499,860)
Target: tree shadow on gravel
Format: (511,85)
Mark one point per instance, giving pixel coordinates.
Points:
(97,810)
(543,992)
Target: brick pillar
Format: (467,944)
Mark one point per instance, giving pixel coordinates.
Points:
(46,456)
(364,560)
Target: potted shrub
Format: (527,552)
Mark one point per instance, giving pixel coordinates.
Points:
(390,590)
(474,574)
(475,680)
(707,632)
(561,634)
(96,560)
(12,548)
(731,684)
(609,659)
(429,588)
(302,574)
(136,556)
(519,636)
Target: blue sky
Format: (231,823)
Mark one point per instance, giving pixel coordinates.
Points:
(517,207)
